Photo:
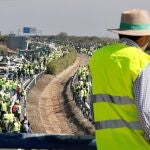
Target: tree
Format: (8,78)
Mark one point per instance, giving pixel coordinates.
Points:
(62,34)
(3,50)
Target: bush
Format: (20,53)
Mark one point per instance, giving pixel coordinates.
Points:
(58,65)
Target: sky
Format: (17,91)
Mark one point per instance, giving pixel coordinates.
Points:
(75,17)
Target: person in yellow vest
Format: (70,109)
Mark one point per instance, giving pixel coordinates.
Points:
(120,86)
(31,72)
(81,83)
(3,87)
(28,73)
(3,106)
(81,94)
(5,122)
(16,126)
(11,116)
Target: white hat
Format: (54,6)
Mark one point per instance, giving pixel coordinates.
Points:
(135,22)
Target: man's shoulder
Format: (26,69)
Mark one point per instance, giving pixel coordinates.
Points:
(110,47)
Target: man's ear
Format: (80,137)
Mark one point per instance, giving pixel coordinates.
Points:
(143,41)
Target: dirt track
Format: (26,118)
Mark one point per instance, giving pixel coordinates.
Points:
(45,103)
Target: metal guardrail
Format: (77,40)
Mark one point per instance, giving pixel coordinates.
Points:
(28,85)
(33,81)
(45,141)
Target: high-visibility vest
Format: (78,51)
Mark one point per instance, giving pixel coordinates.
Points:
(31,71)
(3,87)
(14,86)
(81,93)
(3,106)
(85,93)
(11,117)
(28,71)
(83,76)
(7,85)
(5,118)
(114,68)
(81,83)
(10,87)
(16,126)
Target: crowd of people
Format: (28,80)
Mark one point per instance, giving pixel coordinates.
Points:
(57,53)
(81,88)
(13,116)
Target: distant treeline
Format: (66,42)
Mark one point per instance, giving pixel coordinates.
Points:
(3,39)
(75,41)
(79,41)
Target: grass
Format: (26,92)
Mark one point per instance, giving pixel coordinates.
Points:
(58,65)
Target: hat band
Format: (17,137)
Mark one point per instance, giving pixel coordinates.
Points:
(126,26)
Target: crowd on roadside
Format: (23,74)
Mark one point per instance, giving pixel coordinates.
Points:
(57,53)
(81,88)
(13,117)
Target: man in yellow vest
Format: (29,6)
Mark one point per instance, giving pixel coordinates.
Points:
(5,122)
(120,86)
(16,126)
(3,106)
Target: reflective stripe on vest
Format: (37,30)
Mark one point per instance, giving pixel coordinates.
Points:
(117,124)
(112,99)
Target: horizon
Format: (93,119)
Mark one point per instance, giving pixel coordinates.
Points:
(79,18)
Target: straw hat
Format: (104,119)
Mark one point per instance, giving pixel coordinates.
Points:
(135,22)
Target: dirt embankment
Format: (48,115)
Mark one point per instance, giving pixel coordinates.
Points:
(33,104)
(46,103)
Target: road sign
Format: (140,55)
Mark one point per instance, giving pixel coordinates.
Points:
(26,29)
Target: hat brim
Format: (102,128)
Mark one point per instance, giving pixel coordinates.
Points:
(131,32)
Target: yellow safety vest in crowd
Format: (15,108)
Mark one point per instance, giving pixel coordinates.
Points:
(11,117)
(3,87)
(81,93)
(114,68)
(16,126)
(3,106)
(31,71)
(14,85)
(5,118)
(10,87)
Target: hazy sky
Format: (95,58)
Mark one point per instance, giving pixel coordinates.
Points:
(76,17)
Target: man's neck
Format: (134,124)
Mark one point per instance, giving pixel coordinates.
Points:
(129,42)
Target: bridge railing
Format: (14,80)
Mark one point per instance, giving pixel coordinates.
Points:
(46,141)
